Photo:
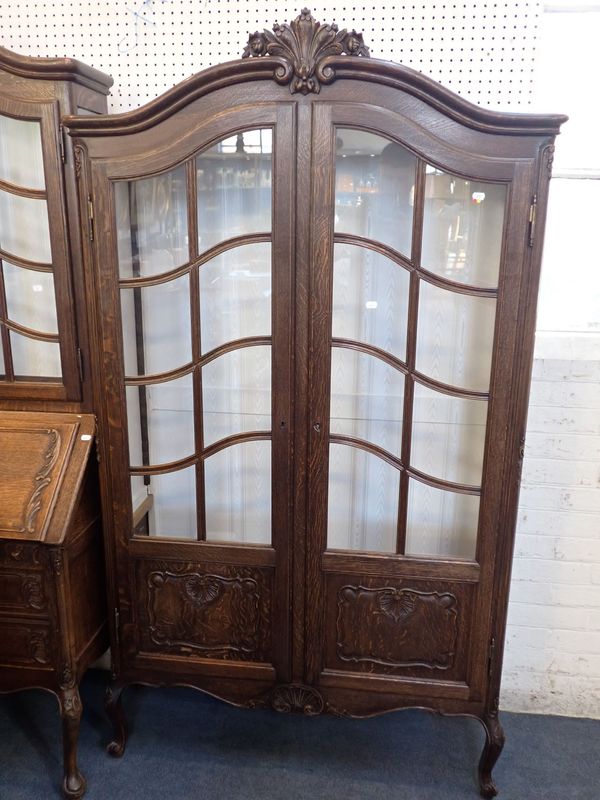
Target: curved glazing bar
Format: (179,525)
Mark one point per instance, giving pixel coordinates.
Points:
(374,188)
(362,507)
(234,184)
(463,222)
(238,494)
(367,399)
(152,224)
(370,299)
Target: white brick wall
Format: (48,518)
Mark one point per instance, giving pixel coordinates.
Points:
(552,661)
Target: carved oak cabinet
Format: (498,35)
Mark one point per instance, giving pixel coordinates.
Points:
(315,282)
(52,594)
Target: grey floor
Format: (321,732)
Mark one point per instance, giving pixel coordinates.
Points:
(184,745)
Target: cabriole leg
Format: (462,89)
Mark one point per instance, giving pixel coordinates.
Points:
(494,742)
(74,784)
(114,711)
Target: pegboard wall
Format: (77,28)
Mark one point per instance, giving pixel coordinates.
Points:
(485,51)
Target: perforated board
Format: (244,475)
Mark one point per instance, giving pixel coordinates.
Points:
(485,51)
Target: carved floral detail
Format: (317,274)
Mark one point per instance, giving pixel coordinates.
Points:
(397,627)
(42,479)
(204,613)
(78,153)
(22,553)
(70,703)
(302,45)
(298,699)
(32,591)
(38,647)
(57,561)
(549,158)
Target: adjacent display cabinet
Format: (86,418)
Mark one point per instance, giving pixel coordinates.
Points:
(43,316)
(52,596)
(315,281)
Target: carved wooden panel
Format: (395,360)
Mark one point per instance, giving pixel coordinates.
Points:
(33,457)
(397,627)
(21,554)
(25,644)
(211,610)
(403,627)
(22,591)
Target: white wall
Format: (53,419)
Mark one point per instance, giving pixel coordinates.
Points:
(486,52)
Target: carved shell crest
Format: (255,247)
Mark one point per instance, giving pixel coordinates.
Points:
(302,45)
(398,605)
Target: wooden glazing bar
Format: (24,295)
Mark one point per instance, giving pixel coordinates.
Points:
(371,350)
(198,261)
(4,334)
(430,480)
(138,314)
(411,349)
(196,333)
(30,333)
(402,261)
(446,388)
(22,191)
(34,266)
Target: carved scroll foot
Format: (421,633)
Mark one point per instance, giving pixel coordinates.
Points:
(494,743)
(74,784)
(114,711)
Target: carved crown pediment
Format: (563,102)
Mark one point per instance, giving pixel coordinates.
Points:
(302,45)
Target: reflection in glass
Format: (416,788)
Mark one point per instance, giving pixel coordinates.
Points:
(238,494)
(24,230)
(448,436)
(234,187)
(235,295)
(441,523)
(21,161)
(161,421)
(370,299)
(173,510)
(363,501)
(455,334)
(30,298)
(2,367)
(367,397)
(236,393)
(156,327)
(374,188)
(462,228)
(151,224)
(33,358)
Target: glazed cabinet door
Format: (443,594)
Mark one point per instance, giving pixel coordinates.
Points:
(197,260)
(38,343)
(408,407)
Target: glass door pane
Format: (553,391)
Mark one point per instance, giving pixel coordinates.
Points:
(197,346)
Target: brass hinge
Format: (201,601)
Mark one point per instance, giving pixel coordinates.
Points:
(61,144)
(90,208)
(117,625)
(532,216)
(491,656)
(80,364)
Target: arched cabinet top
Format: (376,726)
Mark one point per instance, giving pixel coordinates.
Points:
(55,69)
(307,56)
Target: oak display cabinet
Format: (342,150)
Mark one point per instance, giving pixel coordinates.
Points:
(52,595)
(315,282)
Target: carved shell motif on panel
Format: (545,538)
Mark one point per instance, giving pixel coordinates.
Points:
(397,627)
(302,47)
